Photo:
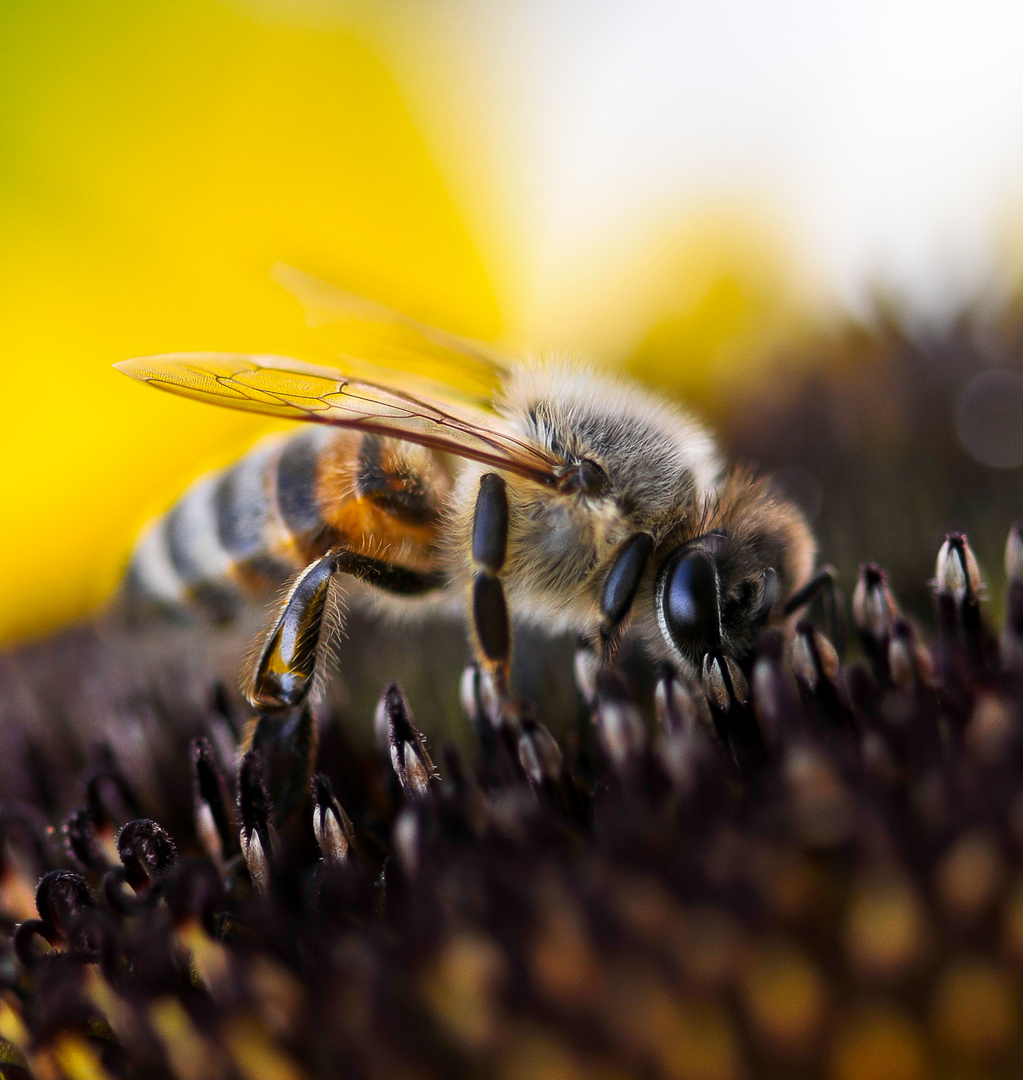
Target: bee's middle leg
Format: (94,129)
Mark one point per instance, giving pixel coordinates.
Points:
(489,610)
(286,665)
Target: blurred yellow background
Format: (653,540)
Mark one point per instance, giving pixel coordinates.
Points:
(155,161)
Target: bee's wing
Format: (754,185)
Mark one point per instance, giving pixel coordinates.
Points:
(367,335)
(294,390)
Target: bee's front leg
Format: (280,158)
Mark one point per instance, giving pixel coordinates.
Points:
(490,621)
(823,583)
(619,591)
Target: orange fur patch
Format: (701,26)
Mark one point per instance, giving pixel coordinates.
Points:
(362,524)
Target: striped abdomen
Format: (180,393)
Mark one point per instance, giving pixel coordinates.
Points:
(246,529)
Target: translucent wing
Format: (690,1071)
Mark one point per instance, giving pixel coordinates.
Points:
(366,335)
(289,388)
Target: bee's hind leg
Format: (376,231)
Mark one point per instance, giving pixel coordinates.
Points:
(287,747)
(286,665)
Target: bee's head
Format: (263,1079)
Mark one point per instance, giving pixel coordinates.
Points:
(713,592)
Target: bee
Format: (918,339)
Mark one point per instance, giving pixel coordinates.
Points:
(538,488)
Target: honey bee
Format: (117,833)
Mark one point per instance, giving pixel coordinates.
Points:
(538,487)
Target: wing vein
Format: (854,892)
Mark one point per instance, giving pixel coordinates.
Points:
(295,390)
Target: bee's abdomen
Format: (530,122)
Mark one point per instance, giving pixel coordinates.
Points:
(296,482)
(233,533)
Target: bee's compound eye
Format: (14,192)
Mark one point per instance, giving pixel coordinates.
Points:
(688,598)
